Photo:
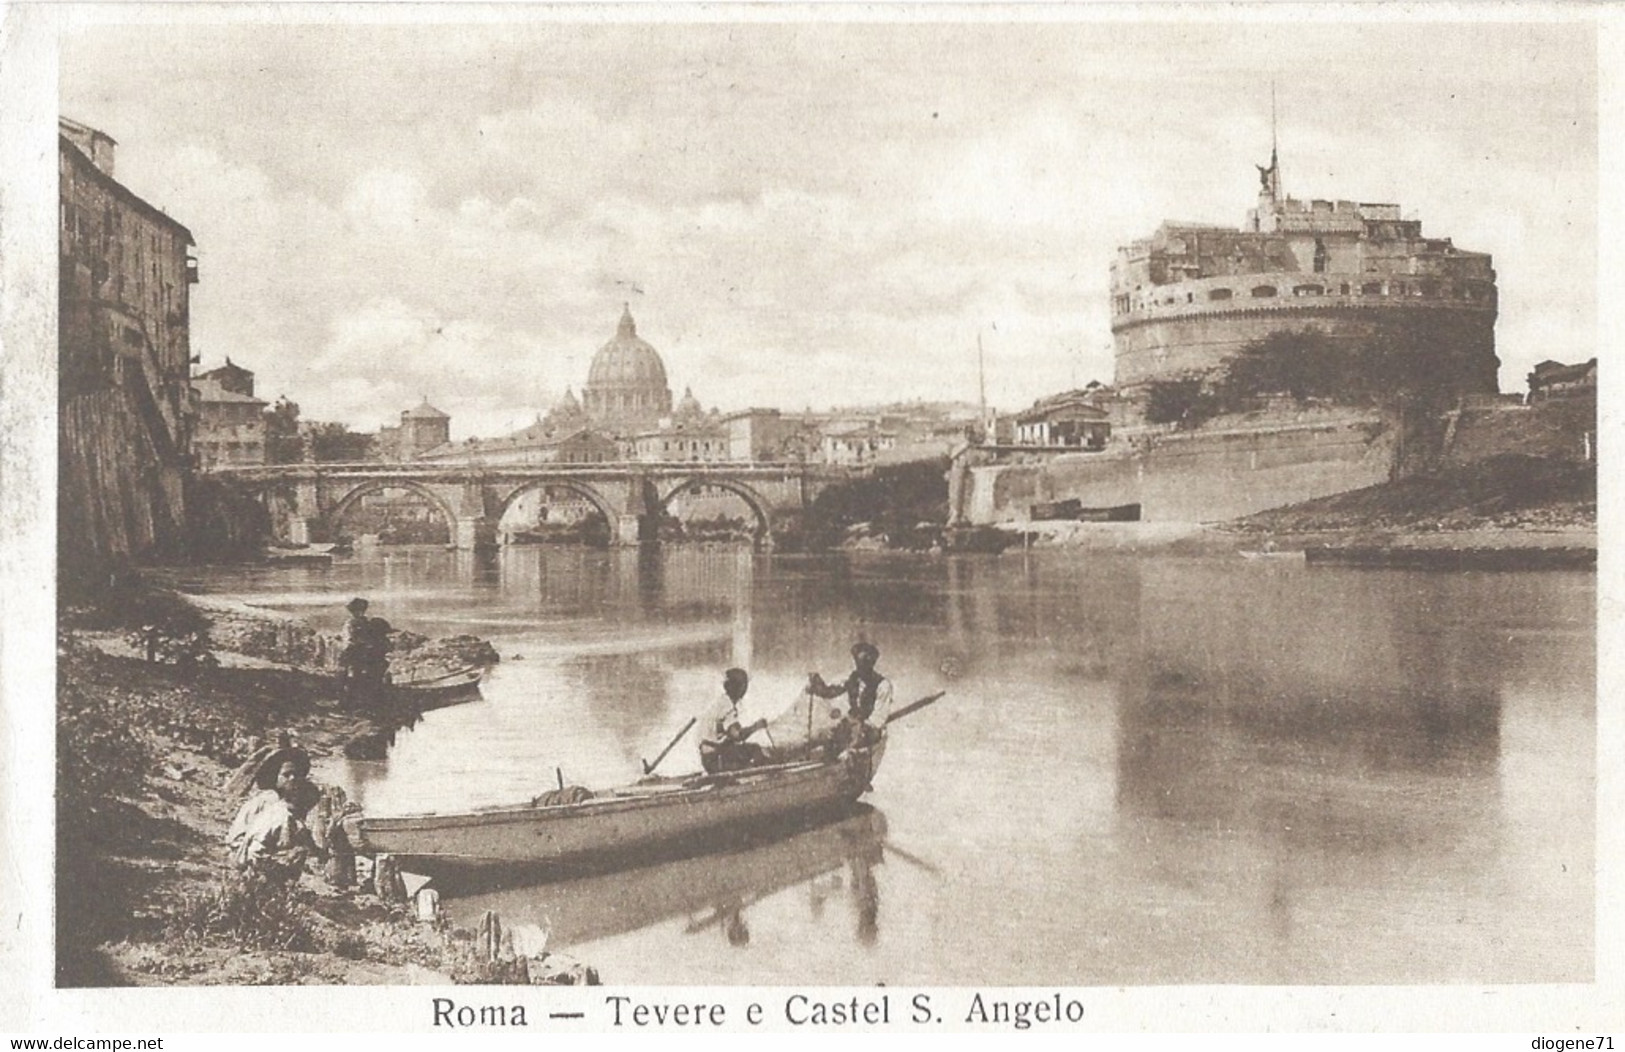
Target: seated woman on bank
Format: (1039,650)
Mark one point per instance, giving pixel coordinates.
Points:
(269,834)
(725,747)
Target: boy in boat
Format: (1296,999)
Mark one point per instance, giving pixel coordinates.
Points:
(726,747)
(365,658)
(866,690)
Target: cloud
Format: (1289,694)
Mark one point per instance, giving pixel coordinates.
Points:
(799,213)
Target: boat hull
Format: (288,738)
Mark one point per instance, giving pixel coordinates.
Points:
(633,822)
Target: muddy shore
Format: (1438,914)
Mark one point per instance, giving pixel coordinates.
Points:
(144,892)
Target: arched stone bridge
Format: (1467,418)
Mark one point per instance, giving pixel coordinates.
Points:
(473,499)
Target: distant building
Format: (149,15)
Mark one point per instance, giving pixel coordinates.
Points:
(857,445)
(1191,296)
(126,409)
(230,377)
(230,428)
(704,441)
(757,435)
(422,428)
(1068,419)
(536,444)
(626,388)
(1554,380)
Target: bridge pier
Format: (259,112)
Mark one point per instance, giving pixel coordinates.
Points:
(474,534)
(628,530)
(299,531)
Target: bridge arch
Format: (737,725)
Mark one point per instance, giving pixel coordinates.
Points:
(362,489)
(582,489)
(757,503)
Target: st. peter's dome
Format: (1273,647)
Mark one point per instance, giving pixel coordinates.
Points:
(626,385)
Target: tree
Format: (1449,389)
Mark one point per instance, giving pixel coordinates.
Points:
(336,443)
(283,443)
(1304,364)
(1431,360)
(1187,403)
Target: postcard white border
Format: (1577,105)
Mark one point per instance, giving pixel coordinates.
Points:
(29,1002)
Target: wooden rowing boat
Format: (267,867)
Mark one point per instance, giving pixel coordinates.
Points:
(424,695)
(633,823)
(1274,556)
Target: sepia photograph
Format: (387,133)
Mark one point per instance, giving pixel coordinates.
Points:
(642,497)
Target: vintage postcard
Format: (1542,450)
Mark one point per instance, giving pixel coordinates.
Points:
(686,520)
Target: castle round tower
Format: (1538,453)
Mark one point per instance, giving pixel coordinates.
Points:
(1188,298)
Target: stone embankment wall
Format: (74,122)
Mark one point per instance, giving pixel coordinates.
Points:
(1561,430)
(118,497)
(1219,473)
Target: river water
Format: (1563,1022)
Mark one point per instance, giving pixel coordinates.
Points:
(1146,769)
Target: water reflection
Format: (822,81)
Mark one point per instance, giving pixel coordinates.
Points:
(711,894)
(626,694)
(1145,770)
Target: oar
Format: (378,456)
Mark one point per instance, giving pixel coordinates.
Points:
(887,845)
(649,768)
(914,706)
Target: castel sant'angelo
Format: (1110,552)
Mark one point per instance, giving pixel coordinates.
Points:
(1190,297)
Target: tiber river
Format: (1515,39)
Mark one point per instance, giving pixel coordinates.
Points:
(1146,769)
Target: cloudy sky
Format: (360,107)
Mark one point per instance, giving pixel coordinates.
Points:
(800,213)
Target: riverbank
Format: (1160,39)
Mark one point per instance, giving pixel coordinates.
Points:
(144,894)
(1504,504)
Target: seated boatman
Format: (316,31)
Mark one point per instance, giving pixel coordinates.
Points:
(725,748)
(865,689)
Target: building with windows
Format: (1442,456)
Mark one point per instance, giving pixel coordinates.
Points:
(1554,380)
(1188,298)
(230,429)
(422,428)
(701,440)
(126,406)
(756,435)
(856,445)
(1069,419)
(537,444)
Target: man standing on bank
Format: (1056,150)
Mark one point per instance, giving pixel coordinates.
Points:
(725,748)
(366,654)
(866,690)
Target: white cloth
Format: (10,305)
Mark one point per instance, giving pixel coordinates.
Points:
(264,825)
(722,714)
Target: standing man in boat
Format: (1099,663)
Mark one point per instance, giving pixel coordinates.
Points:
(366,654)
(726,747)
(866,690)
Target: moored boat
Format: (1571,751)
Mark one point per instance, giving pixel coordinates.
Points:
(1274,556)
(310,554)
(428,694)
